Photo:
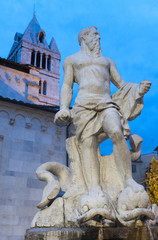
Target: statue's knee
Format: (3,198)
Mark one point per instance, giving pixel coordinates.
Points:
(116,135)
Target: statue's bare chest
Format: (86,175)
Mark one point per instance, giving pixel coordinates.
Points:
(90,62)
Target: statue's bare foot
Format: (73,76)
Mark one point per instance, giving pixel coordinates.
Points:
(134,185)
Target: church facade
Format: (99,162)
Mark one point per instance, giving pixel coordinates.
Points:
(29,99)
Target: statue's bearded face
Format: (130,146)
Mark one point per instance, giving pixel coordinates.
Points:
(92,40)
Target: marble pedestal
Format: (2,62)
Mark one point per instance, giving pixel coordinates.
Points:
(110,233)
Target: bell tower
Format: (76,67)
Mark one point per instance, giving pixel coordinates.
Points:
(32,49)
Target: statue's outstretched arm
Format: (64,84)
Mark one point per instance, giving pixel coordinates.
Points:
(116,79)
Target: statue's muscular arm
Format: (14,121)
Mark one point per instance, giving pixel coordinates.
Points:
(63,117)
(114,74)
(116,79)
(67,88)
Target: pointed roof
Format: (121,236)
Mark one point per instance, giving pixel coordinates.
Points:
(17,38)
(14,45)
(34,34)
(53,46)
(32,31)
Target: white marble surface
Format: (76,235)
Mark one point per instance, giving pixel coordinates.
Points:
(101,186)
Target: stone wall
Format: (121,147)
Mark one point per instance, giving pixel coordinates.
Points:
(28,138)
(23,86)
(16,84)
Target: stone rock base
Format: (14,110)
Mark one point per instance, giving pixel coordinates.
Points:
(110,233)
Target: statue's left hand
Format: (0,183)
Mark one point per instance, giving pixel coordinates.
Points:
(144,87)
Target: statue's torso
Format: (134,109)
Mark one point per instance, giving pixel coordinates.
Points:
(91,74)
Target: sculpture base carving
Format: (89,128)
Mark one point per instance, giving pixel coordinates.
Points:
(114,202)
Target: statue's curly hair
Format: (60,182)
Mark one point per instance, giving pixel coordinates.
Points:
(84,32)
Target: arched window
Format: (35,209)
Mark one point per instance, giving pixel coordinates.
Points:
(44,88)
(38,60)
(43,60)
(49,63)
(41,37)
(33,57)
(40,83)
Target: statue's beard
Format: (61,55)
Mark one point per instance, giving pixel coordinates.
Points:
(95,48)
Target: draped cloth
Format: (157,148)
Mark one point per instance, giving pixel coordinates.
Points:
(88,112)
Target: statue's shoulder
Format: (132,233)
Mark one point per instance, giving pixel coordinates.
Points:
(70,60)
(67,61)
(111,62)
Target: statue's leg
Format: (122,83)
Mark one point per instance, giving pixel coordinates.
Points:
(133,201)
(95,198)
(112,127)
(90,162)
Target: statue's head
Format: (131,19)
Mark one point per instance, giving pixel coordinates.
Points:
(90,36)
(85,32)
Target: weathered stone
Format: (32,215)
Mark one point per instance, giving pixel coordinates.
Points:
(50,217)
(70,211)
(91,234)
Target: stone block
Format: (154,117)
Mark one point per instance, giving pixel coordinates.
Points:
(9,220)
(15,166)
(25,220)
(31,203)
(18,231)
(4,237)
(6,200)
(2,201)
(44,158)
(7,210)
(34,194)
(28,167)
(29,135)
(15,237)
(31,157)
(57,148)
(6,230)
(18,131)
(35,183)
(16,174)
(50,217)
(26,211)
(28,146)
(17,145)
(12,181)
(16,155)
(46,139)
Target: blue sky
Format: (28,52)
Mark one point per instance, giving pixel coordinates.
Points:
(129,36)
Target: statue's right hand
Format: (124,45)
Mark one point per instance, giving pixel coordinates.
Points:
(63,117)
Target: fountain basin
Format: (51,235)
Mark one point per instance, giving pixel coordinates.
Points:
(109,233)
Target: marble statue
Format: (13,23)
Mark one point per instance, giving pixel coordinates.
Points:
(96,189)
